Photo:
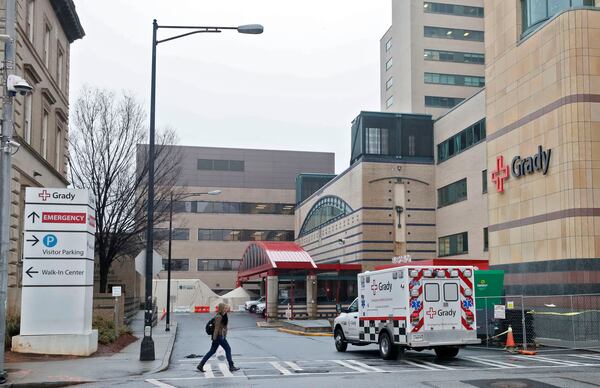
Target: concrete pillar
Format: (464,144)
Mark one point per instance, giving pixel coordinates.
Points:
(311,296)
(272,296)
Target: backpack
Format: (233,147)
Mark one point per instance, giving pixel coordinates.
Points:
(210,326)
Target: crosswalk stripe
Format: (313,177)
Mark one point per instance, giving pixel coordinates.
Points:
(208,372)
(363,365)
(552,361)
(280,368)
(225,370)
(588,356)
(486,362)
(293,365)
(436,365)
(419,365)
(350,366)
(159,384)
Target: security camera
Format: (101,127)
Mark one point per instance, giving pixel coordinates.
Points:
(16,84)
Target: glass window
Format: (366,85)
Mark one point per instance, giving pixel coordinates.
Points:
(221,165)
(353,307)
(455,244)
(442,102)
(324,211)
(454,79)
(217,265)
(453,9)
(412,147)
(59,68)
(451,292)
(452,193)
(204,234)
(453,33)
(44,142)
(389,83)
(486,243)
(176,264)
(58,148)
(205,164)
(181,234)
(47,46)
(432,292)
(236,165)
(389,102)
(388,64)
(28,100)
(244,235)
(377,141)
(463,140)
(30,19)
(388,45)
(537,11)
(484,181)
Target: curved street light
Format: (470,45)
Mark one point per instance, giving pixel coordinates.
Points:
(147,346)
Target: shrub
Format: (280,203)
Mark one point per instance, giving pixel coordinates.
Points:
(13,327)
(106,330)
(126,330)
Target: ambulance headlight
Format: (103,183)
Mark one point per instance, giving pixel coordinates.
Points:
(414,292)
(441,273)
(467,273)
(468,292)
(428,273)
(413,273)
(454,273)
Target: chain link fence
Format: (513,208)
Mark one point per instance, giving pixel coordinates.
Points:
(564,321)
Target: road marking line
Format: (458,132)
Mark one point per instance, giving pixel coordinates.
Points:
(208,372)
(420,365)
(552,361)
(363,365)
(159,384)
(487,362)
(502,363)
(436,365)
(293,365)
(587,356)
(225,370)
(280,368)
(350,366)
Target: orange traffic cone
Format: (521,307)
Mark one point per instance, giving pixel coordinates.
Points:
(510,340)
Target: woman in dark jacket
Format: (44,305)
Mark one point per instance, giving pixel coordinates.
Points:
(219,337)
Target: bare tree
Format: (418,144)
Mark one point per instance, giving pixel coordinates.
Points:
(108,157)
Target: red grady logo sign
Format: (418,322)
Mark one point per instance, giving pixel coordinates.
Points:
(500,174)
(520,166)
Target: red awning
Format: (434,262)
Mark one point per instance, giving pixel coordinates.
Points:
(262,256)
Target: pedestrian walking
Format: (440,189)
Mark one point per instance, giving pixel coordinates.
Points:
(219,338)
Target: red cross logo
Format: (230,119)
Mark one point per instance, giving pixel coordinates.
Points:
(501,174)
(431,312)
(44,195)
(374,288)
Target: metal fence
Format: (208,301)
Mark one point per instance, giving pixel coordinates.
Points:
(565,321)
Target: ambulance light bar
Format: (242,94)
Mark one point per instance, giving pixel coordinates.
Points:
(413,273)
(441,273)
(454,273)
(468,292)
(414,292)
(467,273)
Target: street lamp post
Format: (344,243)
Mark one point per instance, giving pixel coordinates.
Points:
(214,192)
(147,347)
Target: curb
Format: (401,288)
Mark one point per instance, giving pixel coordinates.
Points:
(167,359)
(49,384)
(296,332)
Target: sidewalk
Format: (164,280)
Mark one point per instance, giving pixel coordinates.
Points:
(92,369)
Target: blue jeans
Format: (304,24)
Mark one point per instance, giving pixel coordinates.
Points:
(215,345)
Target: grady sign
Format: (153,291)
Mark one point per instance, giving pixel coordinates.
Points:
(520,166)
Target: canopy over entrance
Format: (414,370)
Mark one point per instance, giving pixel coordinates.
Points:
(261,257)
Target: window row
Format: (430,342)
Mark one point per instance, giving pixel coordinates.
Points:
(324,211)
(47,42)
(537,11)
(453,56)
(453,9)
(226,234)
(452,193)
(454,79)
(442,102)
(41,140)
(456,244)
(232,207)
(183,265)
(453,33)
(221,165)
(244,235)
(466,138)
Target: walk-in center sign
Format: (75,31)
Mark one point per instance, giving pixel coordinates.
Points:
(58,273)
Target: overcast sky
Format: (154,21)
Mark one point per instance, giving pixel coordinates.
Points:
(297,86)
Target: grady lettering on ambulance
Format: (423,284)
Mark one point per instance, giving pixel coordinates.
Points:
(385,286)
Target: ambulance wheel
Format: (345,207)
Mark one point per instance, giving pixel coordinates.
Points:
(387,349)
(253,309)
(446,352)
(340,341)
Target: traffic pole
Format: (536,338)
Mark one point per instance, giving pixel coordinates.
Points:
(5,173)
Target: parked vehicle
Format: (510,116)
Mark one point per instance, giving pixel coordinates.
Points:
(251,304)
(411,307)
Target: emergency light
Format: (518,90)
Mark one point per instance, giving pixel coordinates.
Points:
(428,273)
(468,292)
(413,273)
(414,292)
(454,273)
(441,273)
(467,273)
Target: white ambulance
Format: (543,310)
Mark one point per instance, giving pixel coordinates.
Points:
(411,307)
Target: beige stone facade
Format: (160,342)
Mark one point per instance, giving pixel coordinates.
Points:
(44,33)
(543,89)
(404,54)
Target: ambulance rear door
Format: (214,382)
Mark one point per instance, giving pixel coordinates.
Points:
(441,304)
